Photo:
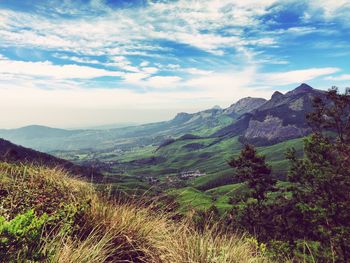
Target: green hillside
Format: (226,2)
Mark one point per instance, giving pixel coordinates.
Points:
(210,156)
(46,216)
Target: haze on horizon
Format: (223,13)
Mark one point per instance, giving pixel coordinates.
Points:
(93,62)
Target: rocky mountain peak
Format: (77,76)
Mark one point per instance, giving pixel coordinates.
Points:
(216,107)
(276,95)
(245,105)
(303,88)
(182,116)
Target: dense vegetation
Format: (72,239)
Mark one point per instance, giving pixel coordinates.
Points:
(309,219)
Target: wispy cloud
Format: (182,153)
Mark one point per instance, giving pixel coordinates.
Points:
(167,53)
(189,22)
(49,70)
(82,60)
(295,76)
(339,78)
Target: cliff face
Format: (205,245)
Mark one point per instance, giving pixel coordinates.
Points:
(272,130)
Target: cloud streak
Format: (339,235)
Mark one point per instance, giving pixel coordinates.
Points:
(49,70)
(185,54)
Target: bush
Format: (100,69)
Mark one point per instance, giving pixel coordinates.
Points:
(21,236)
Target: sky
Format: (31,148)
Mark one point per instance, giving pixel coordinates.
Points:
(80,63)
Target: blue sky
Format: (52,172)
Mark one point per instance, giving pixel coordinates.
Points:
(78,63)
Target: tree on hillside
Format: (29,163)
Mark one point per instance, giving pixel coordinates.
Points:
(322,178)
(332,113)
(252,168)
(310,219)
(249,214)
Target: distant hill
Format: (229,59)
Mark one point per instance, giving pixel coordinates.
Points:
(255,120)
(13,153)
(36,131)
(38,137)
(112,126)
(202,123)
(203,140)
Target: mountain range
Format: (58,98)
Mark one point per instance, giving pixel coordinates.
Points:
(204,140)
(281,118)
(256,120)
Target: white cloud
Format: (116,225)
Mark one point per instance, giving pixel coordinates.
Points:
(150,70)
(127,30)
(78,59)
(144,64)
(195,71)
(163,81)
(49,70)
(339,78)
(122,63)
(173,66)
(295,76)
(224,84)
(330,8)
(135,78)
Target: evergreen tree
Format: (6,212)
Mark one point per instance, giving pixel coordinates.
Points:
(311,221)
(332,114)
(252,168)
(322,179)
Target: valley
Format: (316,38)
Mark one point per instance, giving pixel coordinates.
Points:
(155,156)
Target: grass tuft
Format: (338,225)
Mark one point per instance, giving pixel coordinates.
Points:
(83,226)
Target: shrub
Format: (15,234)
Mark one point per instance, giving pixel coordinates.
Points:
(21,236)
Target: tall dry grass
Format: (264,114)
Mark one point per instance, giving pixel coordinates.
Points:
(118,232)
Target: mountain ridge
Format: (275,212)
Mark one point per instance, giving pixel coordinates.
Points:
(283,117)
(245,118)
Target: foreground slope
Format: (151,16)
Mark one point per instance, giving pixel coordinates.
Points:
(46,216)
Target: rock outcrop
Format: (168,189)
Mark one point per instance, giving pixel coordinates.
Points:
(244,105)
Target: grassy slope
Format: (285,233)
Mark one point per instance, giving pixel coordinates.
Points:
(189,198)
(211,158)
(87,228)
(220,196)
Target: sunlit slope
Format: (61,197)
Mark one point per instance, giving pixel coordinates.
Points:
(208,155)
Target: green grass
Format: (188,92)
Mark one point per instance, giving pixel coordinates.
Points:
(82,226)
(225,189)
(277,151)
(191,199)
(211,159)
